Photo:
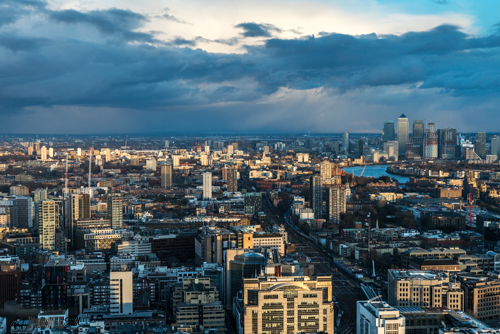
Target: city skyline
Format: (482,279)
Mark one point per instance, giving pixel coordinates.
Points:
(118,67)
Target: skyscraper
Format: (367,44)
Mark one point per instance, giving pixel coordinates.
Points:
(403,133)
(232,180)
(48,221)
(447,143)
(345,142)
(207,185)
(481,144)
(166,176)
(336,203)
(325,170)
(361,145)
(418,132)
(495,145)
(317,196)
(115,211)
(389,133)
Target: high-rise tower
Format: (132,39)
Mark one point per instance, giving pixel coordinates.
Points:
(48,222)
(317,196)
(389,133)
(166,176)
(115,211)
(207,185)
(480,145)
(403,133)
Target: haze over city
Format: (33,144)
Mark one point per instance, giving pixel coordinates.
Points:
(77,67)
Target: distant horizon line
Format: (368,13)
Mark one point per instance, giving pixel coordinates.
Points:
(212,134)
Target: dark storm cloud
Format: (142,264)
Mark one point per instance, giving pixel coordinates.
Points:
(116,22)
(141,73)
(251,29)
(183,42)
(12,10)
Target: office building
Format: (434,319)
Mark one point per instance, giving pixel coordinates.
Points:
(48,222)
(166,176)
(207,185)
(121,292)
(336,203)
(482,295)
(345,142)
(325,170)
(415,288)
(403,133)
(232,179)
(418,132)
(285,305)
(389,133)
(196,303)
(316,185)
(480,144)
(378,317)
(115,211)
(447,143)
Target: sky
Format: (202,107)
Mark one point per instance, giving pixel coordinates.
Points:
(242,67)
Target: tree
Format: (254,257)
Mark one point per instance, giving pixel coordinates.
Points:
(284,195)
(305,228)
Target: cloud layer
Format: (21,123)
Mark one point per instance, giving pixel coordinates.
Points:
(124,67)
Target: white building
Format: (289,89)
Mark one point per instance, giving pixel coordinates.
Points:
(121,292)
(376,317)
(176,160)
(44,153)
(151,165)
(207,185)
(134,247)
